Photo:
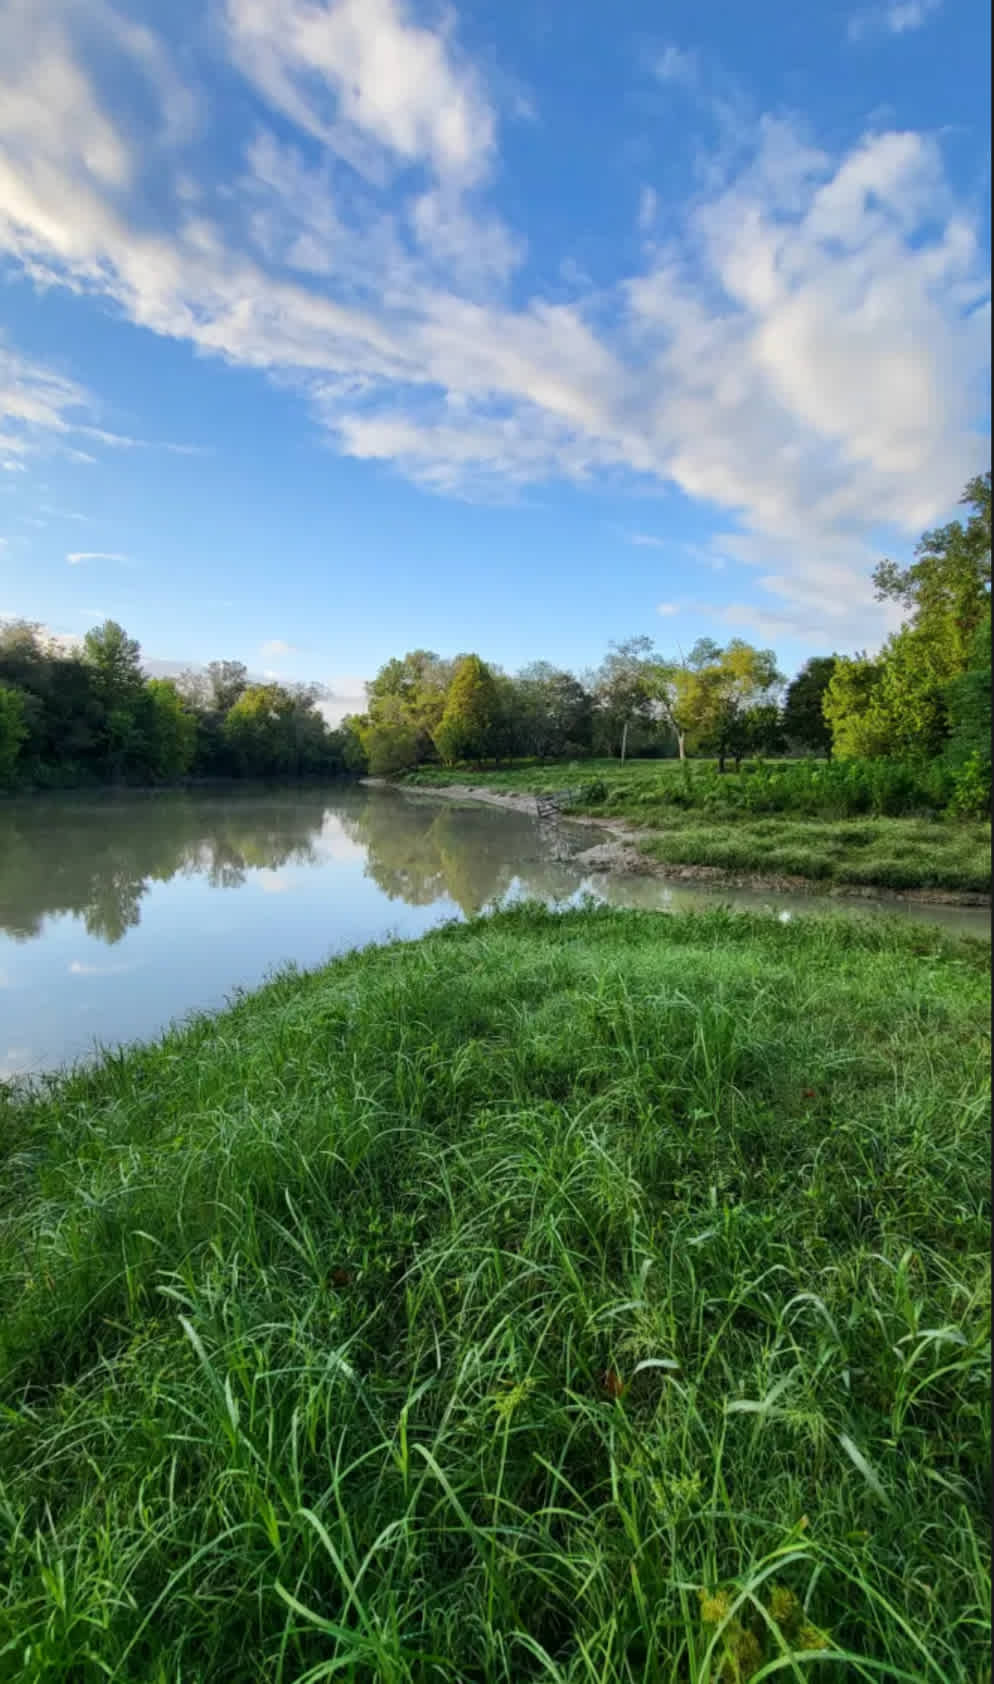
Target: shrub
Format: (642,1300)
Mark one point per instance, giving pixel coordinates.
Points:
(972,788)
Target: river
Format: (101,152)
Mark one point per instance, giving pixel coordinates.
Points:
(121,913)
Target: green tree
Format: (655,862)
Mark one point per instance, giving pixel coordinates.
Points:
(471,716)
(858,724)
(550,712)
(946,589)
(258,729)
(226,682)
(760,730)
(626,689)
(900,703)
(13,732)
(718,687)
(114,660)
(968,701)
(409,694)
(170,731)
(390,738)
(804,722)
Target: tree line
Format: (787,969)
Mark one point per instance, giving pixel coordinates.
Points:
(926,693)
(93,715)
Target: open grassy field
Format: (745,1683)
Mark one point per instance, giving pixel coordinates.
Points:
(599,1298)
(865,851)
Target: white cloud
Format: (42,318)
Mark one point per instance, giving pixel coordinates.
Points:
(802,352)
(78,967)
(74,557)
(342,694)
(364,78)
(648,206)
(276,647)
(40,404)
(674,64)
(897,17)
(647,541)
(667,609)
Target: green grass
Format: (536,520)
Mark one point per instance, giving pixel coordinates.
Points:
(598,1298)
(891,853)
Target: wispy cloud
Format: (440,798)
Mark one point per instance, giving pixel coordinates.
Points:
(647,541)
(74,557)
(648,206)
(667,609)
(897,17)
(675,64)
(275,647)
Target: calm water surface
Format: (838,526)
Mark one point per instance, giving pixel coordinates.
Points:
(119,914)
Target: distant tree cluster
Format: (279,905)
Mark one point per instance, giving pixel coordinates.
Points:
(926,693)
(92,716)
(422,708)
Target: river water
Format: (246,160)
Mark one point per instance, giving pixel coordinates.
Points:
(121,913)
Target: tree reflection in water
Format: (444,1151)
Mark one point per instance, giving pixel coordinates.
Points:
(95,857)
(419,851)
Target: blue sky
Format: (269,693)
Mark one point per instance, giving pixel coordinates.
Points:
(332,328)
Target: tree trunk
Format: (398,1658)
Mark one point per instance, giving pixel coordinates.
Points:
(721,760)
(624,739)
(681,741)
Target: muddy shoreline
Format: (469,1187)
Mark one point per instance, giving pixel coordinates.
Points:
(621,854)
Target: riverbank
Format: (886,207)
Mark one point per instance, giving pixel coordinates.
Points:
(600,1294)
(941,862)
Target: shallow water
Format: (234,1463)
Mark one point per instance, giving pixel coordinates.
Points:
(120,913)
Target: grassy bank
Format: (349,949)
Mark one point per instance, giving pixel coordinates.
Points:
(892,853)
(599,1297)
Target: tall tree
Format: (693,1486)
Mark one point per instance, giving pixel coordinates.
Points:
(625,688)
(946,589)
(804,722)
(900,703)
(551,712)
(170,731)
(471,717)
(114,660)
(718,687)
(227,681)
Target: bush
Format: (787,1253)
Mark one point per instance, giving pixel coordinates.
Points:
(593,792)
(972,788)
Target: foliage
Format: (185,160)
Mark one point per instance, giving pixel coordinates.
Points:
(13,731)
(594,1296)
(171,731)
(627,692)
(275,732)
(849,705)
(390,746)
(718,692)
(900,703)
(93,717)
(553,712)
(968,701)
(471,719)
(804,722)
(972,786)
